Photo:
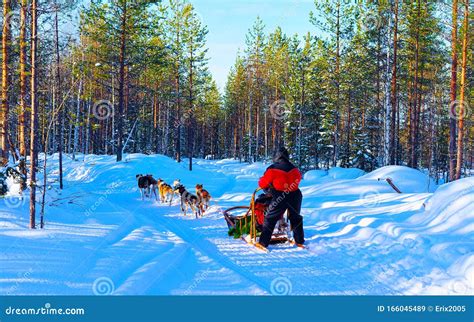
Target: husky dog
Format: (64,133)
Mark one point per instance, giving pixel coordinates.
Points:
(153,185)
(147,185)
(165,190)
(143,185)
(175,185)
(188,199)
(204,197)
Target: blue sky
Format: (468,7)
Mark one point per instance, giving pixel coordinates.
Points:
(229,20)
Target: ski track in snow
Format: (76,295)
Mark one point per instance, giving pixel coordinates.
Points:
(99,228)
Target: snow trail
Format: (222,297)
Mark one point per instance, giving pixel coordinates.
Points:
(363,237)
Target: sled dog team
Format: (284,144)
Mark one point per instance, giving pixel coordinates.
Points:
(198,202)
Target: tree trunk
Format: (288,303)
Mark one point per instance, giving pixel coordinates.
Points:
(60,120)
(191,111)
(155,121)
(178,104)
(387,105)
(76,119)
(338,87)
(380,111)
(393,97)
(414,112)
(22,97)
(121,82)
(265,124)
(4,108)
(88,125)
(453,91)
(461,103)
(23,85)
(34,112)
(250,124)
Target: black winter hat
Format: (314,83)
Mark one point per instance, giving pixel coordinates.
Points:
(281,154)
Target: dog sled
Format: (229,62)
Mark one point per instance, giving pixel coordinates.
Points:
(246,222)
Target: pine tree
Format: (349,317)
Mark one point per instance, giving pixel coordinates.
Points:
(4,106)
(22,115)
(34,112)
(336,19)
(462,96)
(453,89)
(117,42)
(394,89)
(194,40)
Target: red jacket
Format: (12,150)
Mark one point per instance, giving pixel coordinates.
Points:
(281,176)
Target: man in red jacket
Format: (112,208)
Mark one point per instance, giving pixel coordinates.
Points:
(282,178)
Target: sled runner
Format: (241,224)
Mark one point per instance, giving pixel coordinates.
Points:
(246,222)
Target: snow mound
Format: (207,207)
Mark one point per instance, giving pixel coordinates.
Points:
(451,192)
(406,179)
(313,175)
(345,173)
(323,177)
(451,208)
(347,187)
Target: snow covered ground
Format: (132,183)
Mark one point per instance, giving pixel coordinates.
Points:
(364,238)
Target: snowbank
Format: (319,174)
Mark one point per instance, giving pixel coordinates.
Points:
(345,173)
(347,187)
(313,175)
(317,177)
(353,181)
(450,209)
(451,192)
(406,179)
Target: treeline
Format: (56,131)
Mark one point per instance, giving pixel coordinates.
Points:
(132,77)
(372,85)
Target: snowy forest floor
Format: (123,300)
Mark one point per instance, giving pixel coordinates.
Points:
(364,238)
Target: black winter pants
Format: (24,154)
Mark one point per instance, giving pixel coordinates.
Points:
(282,201)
